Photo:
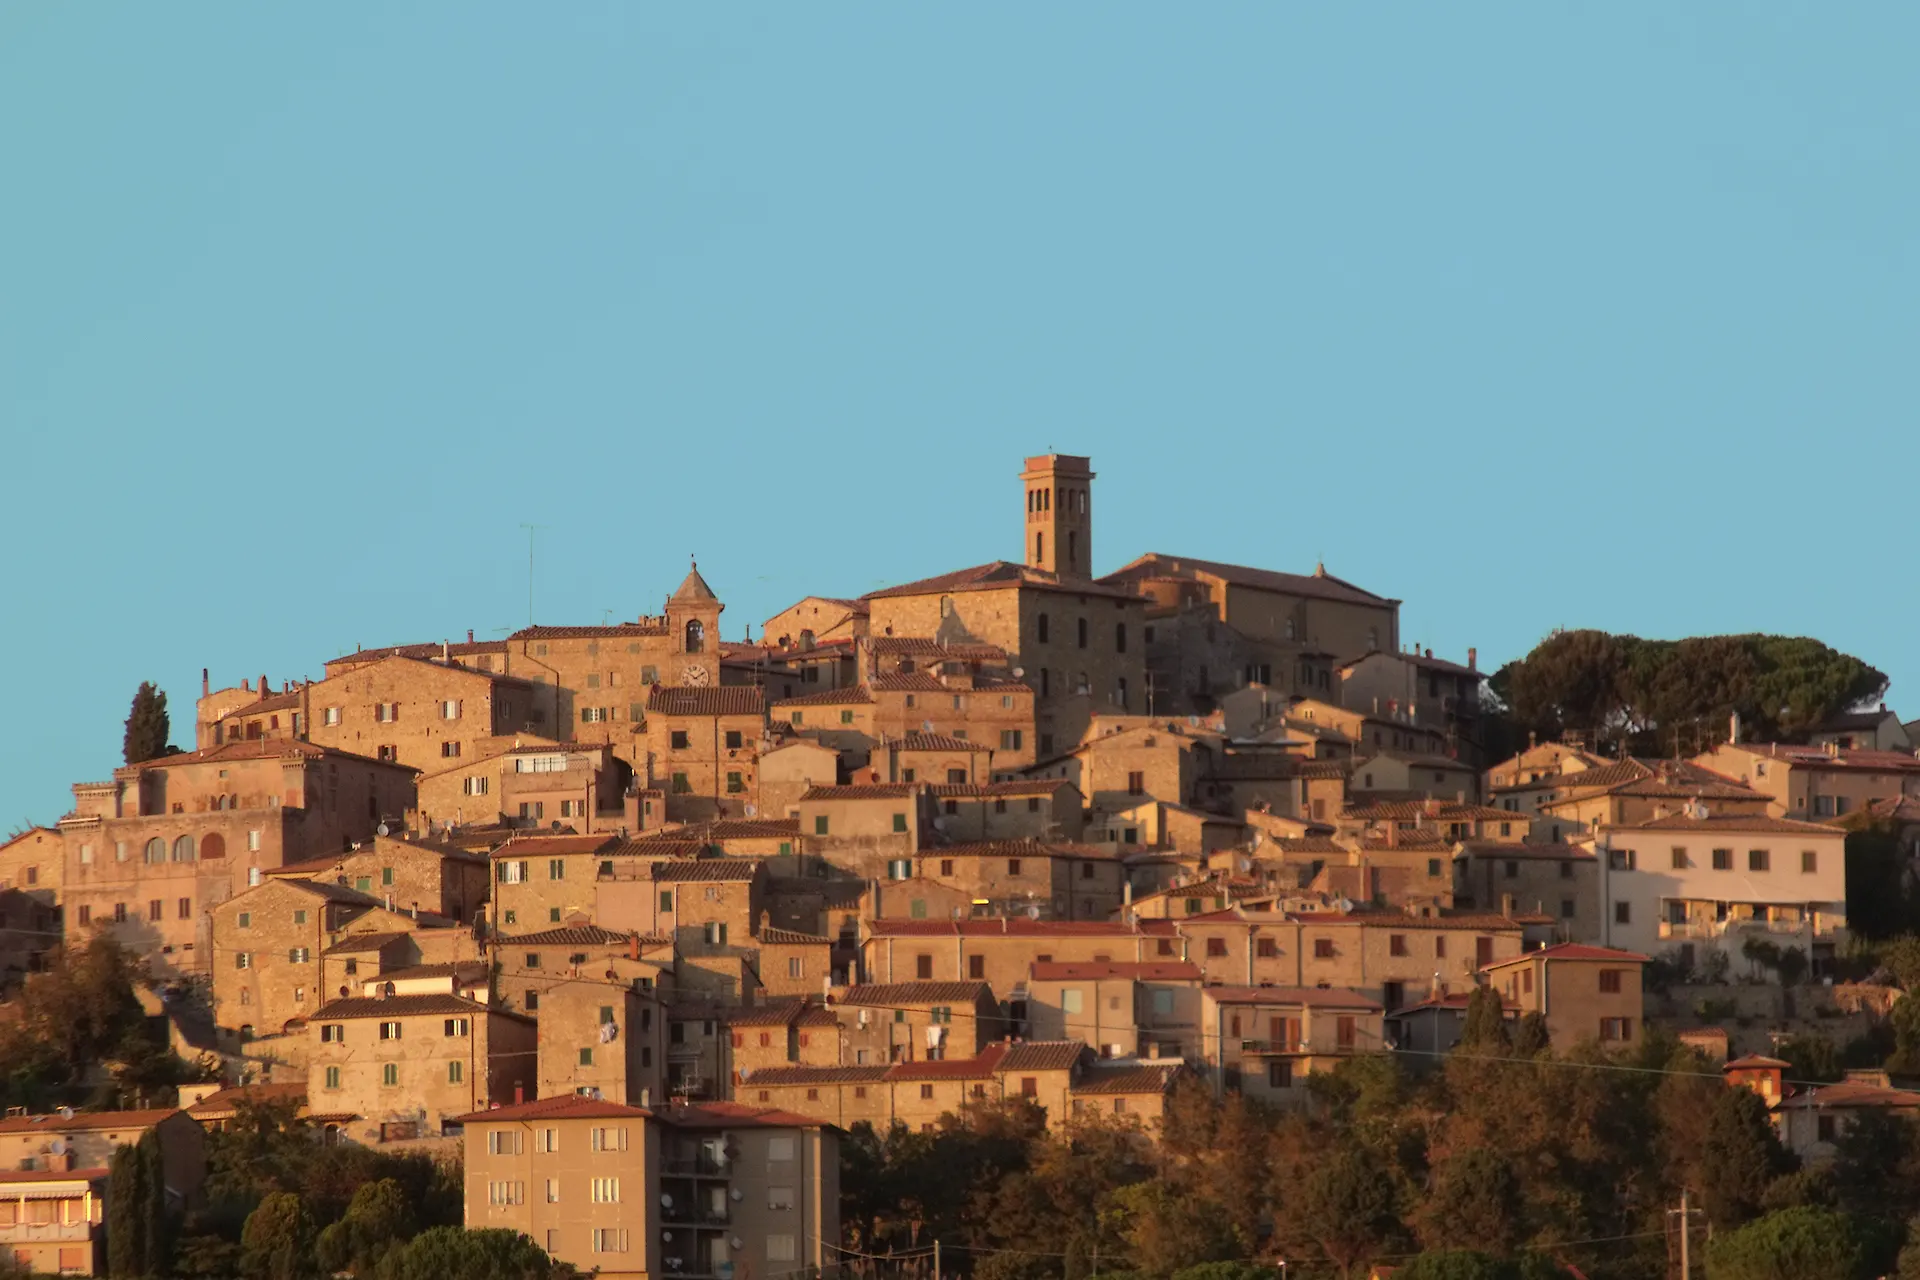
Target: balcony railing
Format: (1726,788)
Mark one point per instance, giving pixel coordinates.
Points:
(701,1166)
(1268,1047)
(48,1232)
(1819,927)
(688,1215)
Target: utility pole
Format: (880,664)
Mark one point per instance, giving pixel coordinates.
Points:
(936,1258)
(1685,1213)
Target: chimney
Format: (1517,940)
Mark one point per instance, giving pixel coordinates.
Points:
(263,686)
(445,651)
(469,635)
(205,688)
(1733,728)
(1473,659)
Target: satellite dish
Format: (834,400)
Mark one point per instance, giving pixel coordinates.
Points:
(1033,912)
(666,1201)
(666,1235)
(1018,672)
(66,1113)
(926,726)
(750,811)
(556,824)
(382,830)
(736,1242)
(741,1195)
(58,1146)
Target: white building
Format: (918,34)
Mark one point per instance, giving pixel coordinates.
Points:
(1696,880)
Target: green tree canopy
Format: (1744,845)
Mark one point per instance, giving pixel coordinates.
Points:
(491,1253)
(277,1242)
(147,725)
(1793,1244)
(1641,693)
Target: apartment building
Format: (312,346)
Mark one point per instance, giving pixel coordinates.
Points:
(916,1021)
(602,1039)
(414,711)
(1124,1009)
(1558,880)
(412,874)
(676,1191)
(1699,880)
(703,747)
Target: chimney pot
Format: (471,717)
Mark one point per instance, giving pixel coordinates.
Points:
(469,635)
(1473,659)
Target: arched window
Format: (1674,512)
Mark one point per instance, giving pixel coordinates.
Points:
(696,635)
(183,849)
(156,850)
(213,846)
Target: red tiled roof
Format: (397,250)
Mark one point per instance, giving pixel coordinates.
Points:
(1527,850)
(967,651)
(534,846)
(566,1106)
(892,994)
(1754,823)
(617,630)
(686,869)
(11,1177)
(1001,575)
(1319,585)
(715,700)
(792,938)
(1308,844)
(360,943)
(776,1076)
(1754,1061)
(935,742)
(1434,811)
(278,702)
(1805,757)
(1849,1093)
(851,696)
(1091,970)
(579,935)
(1029,787)
(226,1101)
(981,1066)
(1043,1055)
(402,1007)
(1005,927)
(1407,841)
(87,1121)
(922,682)
(263,749)
(428,650)
(1144,1078)
(863,791)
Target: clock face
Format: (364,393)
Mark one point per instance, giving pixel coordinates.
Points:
(694,675)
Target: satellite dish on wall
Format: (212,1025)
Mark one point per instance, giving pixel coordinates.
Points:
(382,830)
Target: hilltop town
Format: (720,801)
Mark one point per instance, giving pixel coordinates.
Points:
(646,929)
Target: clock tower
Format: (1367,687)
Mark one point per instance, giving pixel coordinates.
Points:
(693,626)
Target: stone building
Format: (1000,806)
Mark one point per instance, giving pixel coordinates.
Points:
(152,851)
(413,875)
(407,1067)
(1266,1041)
(603,1039)
(1583,992)
(912,1021)
(418,712)
(1122,1008)
(703,746)
(1559,880)
(1001,951)
(32,869)
(528,965)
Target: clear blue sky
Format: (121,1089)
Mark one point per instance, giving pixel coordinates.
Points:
(1530,315)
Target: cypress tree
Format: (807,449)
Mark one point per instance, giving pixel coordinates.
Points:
(147,724)
(127,1198)
(156,1224)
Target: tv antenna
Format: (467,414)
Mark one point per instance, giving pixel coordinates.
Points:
(530,531)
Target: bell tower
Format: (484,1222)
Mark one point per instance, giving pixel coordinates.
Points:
(1059,528)
(693,626)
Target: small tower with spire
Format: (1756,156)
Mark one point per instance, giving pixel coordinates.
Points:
(693,623)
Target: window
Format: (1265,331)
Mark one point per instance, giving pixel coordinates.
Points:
(796,967)
(329,715)
(1071,1000)
(1680,862)
(1566,908)
(533,1001)
(606,1191)
(298,955)
(241,959)
(613,1138)
(781,1248)
(681,786)
(1082,632)
(899,868)
(1723,859)
(474,786)
(1323,948)
(506,1193)
(1758,860)
(1136,783)
(1610,982)
(820,825)
(1397,944)
(1440,946)
(899,822)
(333,1078)
(1623,913)
(779,1197)
(85,915)
(1013,866)
(1343,1031)
(1616,1030)
(1029,1086)
(390,1073)
(455,1027)
(1510,869)
(1040,624)
(1279,1074)
(678,739)
(1265,948)
(923,968)
(612,1239)
(1809,861)
(153,909)
(977,967)
(456,1072)
(715,933)
(389,1031)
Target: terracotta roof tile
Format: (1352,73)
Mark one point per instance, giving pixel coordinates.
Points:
(430,649)
(851,696)
(436,1002)
(1319,585)
(892,994)
(86,1121)
(578,935)
(1001,575)
(1572,951)
(1142,1078)
(1310,997)
(715,700)
(917,645)
(733,1115)
(1756,823)
(777,1076)
(1527,851)
(863,791)
(922,682)
(261,749)
(1043,1055)
(936,742)
(615,631)
(361,943)
(1017,787)
(541,846)
(1005,927)
(792,938)
(728,869)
